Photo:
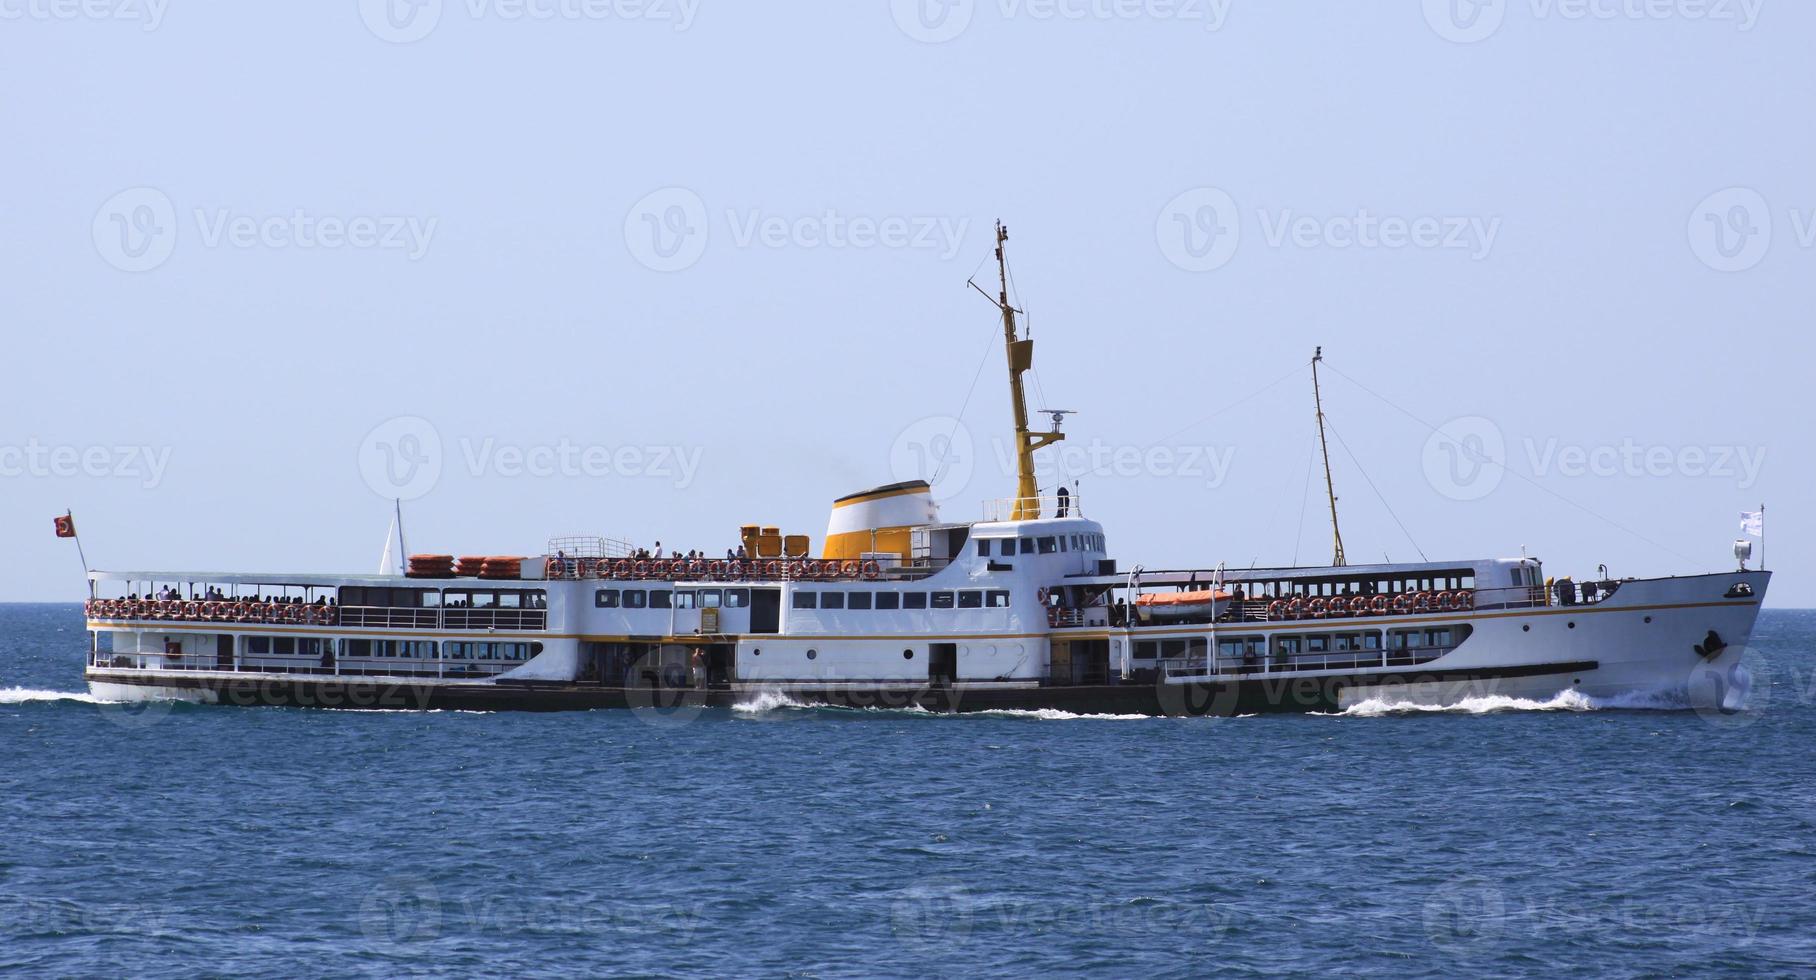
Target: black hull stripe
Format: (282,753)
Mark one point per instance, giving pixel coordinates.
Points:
(1240,695)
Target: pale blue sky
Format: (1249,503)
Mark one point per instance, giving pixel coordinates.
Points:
(252,234)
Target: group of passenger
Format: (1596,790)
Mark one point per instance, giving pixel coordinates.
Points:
(212,594)
(655,554)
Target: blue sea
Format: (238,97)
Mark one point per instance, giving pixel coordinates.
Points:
(787,840)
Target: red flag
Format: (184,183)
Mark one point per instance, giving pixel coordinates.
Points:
(66,526)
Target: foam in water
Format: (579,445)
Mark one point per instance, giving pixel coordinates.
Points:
(767,701)
(1564,701)
(24,695)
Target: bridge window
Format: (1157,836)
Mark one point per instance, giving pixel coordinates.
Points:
(711,598)
(806,600)
(971,600)
(605,599)
(832,600)
(636,599)
(914,600)
(1048,546)
(1027,546)
(661,599)
(1147,650)
(737,598)
(888,600)
(942,600)
(858,600)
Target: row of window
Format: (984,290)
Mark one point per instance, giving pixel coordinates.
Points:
(890,601)
(1056,544)
(1242,647)
(671,599)
(1446,581)
(436,598)
(289,646)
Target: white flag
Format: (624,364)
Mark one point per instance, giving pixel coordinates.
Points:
(1753,523)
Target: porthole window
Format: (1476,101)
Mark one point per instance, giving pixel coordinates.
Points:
(1572,625)
(1648,619)
(813,654)
(1526,629)
(907,654)
(756,653)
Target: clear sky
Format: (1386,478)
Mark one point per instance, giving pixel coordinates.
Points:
(656,269)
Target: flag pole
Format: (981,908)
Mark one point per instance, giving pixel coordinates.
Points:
(70,515)
(1762,537)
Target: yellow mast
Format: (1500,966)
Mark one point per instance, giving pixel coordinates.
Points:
(1330,488)
(1021,359)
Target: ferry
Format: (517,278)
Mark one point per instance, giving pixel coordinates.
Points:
(1027,608)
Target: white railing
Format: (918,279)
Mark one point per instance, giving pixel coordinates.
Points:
(1003,509)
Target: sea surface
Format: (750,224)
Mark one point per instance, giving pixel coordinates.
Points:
(1496,838)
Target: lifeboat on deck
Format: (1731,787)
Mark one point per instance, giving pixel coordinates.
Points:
(1207,604)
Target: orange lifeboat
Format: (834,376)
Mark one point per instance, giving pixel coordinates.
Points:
(1182,605)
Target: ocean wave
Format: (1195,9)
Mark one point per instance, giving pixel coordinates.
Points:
(26,695)
(766,702)
(1497,703)
(1054,714)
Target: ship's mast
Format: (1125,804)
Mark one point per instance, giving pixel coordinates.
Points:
(1330,487)
(1021,359)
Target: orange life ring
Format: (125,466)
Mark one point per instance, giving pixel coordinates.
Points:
(851,569)
(1276,609)
(1358,606)
(555,568)
(622,569)
(1380,605)
(641,569)
(1295,608)
(1338,607)
(1316,607)
(698,569)
(735,570)
(773,570)
(1421,602)
(873,569)
(1465,600)
(192,610)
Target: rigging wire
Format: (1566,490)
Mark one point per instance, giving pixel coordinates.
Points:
(1230,407)
(1378,494)
(1305,497)
(983,362)
(1510,470)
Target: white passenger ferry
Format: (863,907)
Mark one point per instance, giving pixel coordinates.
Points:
(1026,609)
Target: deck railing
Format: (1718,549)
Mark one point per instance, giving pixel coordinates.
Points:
(229,614)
